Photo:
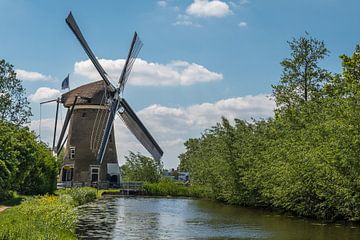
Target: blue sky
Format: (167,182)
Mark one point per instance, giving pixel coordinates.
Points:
(200,60)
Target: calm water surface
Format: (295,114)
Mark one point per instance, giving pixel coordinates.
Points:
(177,218)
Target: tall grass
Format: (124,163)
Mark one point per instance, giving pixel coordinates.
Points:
(45,217)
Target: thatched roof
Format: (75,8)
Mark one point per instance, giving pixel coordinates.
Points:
(91,94)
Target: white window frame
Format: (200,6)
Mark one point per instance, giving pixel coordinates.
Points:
(91,172)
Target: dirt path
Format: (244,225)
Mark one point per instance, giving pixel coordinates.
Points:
(2,208)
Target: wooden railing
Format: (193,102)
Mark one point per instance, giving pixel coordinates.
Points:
(131,187)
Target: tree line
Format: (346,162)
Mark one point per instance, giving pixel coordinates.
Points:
(305,159)
(26,165)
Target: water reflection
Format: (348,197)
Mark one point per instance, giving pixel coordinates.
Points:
(161,218)
(97,220)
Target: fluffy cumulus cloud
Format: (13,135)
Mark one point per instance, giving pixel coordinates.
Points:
(175,73)
(205,8)
(31,76)
(199,116)
(172,126)
(44,94)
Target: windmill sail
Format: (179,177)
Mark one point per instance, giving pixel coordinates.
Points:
(76,30)
(66,123)
(107,130)
(139,130)
(134,50)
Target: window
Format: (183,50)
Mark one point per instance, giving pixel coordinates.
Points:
(83,115)
(95,174)
(72,152)
(67,173)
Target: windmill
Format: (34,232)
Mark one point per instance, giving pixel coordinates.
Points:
(90,155)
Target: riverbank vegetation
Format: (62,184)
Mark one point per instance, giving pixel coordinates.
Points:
(45,217)
(167,187)
(306,158)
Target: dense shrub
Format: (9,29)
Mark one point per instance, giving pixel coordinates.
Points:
(79,196)
(172,188)
(26,166)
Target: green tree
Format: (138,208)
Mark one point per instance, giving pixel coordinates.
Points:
(26,166)
(347,84)
(141,168)
(302,78)
(14,106)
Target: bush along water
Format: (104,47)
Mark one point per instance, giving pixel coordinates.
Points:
(171,188)
(45,217)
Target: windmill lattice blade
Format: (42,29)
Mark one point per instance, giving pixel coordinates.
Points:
(134,50)
(138,129)
(66,123)
(62,145)
(56,120)
(76,30)
(107,130)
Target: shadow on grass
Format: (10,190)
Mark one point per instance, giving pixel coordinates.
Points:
(12,202)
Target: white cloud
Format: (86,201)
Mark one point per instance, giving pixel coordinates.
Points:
(242,24)
(164,119)
(205,8)
(44,94)
(175,73)
(32,76)
(162,3)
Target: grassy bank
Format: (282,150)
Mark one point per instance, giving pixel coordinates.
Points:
(45,217)
(177,189)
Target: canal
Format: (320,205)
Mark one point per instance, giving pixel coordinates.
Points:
(181,218)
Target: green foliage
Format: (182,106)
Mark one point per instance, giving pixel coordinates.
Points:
(302,78)
(141,168)
(45,217)
(305,160)
(171,188)
(79,196)
(26,166)
(14,106)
